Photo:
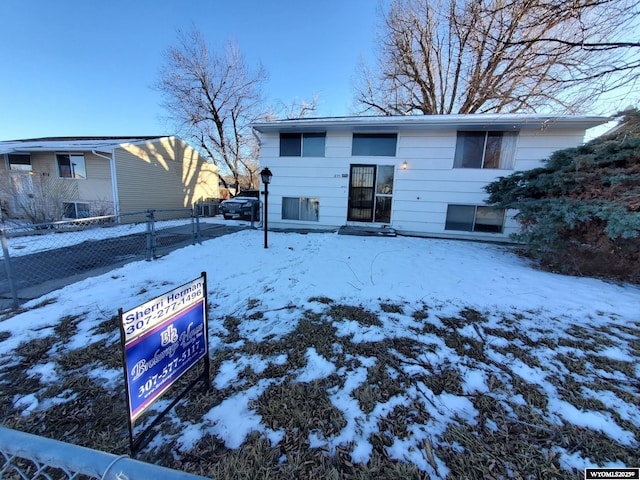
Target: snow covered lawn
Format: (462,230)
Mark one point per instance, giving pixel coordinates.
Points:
(349,356)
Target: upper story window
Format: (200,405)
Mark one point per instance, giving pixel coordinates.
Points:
(20,161)
(71,166)
(302,144)
(485,150)
(374,144)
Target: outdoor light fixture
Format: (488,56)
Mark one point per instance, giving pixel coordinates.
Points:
(266,175)
(404,165)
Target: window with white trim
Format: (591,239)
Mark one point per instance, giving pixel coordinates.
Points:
(474,218)
(75,210)
(374,144)
(310,144)
(300,208)
(485,150)
(71,166)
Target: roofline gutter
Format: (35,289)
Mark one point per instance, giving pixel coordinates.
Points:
(510,121)
(114,183)
(144,141)
(64,148)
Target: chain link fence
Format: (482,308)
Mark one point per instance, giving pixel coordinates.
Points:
(39,258)
(26,456)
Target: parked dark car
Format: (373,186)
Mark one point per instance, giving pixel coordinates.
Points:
(242,205)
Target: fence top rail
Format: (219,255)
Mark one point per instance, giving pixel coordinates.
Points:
(76,221)
(41,228)
(183,209)
(82,460)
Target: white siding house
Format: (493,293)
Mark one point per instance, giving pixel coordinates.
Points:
(418,175)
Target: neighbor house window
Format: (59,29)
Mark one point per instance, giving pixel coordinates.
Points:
(300,208)
(374,144)
(75,210)
(472,218)
(71,166)
(485,150)
(19,161)
(302,144)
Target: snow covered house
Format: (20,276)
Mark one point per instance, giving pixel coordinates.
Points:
(415,175)
(75,177)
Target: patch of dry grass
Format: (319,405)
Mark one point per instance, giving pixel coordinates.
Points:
(390,307)
(110,325)
(512,435)
(301,407)
(359,314)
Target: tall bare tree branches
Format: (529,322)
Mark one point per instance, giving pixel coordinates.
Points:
(475,56)
(213,96)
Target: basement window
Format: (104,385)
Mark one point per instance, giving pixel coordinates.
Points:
(75,210)
(300,208)
(472,218)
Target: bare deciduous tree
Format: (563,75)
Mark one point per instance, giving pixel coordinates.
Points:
(478,56)
(213,96)
(37,198)
(295,109)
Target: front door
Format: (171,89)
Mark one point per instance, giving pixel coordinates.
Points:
(370,192)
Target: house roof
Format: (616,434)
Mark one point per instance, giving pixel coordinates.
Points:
(506,121)
(69,144)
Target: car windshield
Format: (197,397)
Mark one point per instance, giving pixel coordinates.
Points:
(248,193)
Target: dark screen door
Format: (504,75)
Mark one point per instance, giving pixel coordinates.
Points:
(361,193)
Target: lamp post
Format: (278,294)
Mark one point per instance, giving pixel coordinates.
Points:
(266,175)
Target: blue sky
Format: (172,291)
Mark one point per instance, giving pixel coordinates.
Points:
(86,67)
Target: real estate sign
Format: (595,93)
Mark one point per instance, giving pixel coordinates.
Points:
(162,339)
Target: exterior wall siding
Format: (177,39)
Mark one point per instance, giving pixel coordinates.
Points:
(421,193)
(165,173)
(96,188)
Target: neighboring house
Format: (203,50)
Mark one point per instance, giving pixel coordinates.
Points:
(417,175)
(73,177)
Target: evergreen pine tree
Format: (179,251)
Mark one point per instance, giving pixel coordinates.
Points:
(580,213)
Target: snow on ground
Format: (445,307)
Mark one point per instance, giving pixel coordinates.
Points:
(283,280)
